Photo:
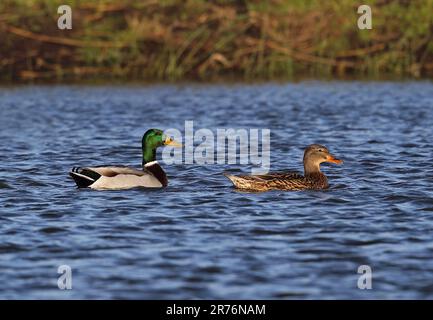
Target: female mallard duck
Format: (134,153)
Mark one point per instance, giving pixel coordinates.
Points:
(313,178)
(151,175)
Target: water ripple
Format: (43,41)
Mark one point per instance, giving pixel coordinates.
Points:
(199,238)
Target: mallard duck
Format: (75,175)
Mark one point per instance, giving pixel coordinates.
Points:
(151,175)
(313,178)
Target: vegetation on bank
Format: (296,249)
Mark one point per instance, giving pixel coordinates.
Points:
(197,39)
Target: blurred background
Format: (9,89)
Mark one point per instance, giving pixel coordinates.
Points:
(208,40)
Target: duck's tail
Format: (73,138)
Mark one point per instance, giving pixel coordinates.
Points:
(83,177)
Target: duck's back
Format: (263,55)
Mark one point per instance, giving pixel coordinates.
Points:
(279,181)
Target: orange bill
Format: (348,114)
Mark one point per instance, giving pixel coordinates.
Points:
(332,159)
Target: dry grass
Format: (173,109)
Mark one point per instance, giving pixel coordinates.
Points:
(171,40)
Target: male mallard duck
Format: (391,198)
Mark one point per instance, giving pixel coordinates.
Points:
(313,178)
(151,176)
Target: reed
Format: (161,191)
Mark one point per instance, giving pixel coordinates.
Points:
(205,40)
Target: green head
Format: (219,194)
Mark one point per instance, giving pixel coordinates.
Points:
(152,139)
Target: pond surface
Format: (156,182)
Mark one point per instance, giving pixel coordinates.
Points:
(199,238)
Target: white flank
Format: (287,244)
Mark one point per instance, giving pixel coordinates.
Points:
(126,181)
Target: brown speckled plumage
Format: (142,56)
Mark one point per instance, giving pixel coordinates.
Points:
(313,178)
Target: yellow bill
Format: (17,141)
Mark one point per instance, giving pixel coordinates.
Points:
(170,142)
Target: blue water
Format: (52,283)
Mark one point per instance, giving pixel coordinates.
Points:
(199,238)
